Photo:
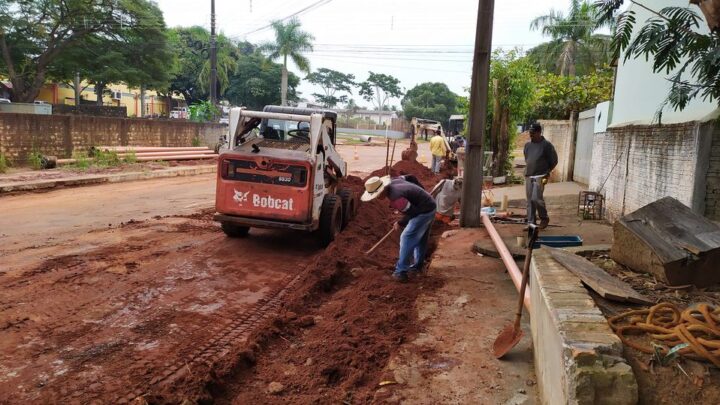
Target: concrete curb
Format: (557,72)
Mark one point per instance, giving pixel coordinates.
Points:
(39,185)
(578,358)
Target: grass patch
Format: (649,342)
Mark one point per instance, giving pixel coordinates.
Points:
(3,163)
(35,160)
(104,158)
(130,157)
(196,142)
(82,161)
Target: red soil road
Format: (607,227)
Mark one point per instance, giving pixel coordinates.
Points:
(128,319)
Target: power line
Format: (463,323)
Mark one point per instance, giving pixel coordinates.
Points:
(312,6)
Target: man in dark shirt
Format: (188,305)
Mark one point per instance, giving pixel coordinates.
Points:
(418,208)
(540,160)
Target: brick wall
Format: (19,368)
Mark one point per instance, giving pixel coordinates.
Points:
(559,134)
(641,164)
(61,135)
(712,189)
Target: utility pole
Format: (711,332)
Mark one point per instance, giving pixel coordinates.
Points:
(213,55)
(77,89)
(472,183)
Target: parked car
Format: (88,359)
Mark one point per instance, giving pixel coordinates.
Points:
(4,101)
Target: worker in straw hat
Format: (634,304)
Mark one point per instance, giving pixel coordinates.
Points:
(418,209)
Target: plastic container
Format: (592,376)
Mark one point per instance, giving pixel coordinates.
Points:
(558,241)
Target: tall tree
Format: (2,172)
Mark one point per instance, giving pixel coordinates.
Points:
(34,34)
(290,41)
(254,83)
(433,101)
(191,46)
(690,58)
(379,88)
(574,48)
(512,97)
(331,81)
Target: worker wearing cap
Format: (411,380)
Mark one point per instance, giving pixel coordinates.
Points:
(418,209)
(540,160)
(438,149)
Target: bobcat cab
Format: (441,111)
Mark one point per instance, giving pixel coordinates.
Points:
(280,169)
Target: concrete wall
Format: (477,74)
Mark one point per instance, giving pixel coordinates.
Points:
(712,185)
(583,147)
(559,134)
(639,92)
(641,164)
(61,135)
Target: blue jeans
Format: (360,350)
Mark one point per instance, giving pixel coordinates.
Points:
(435,165)
(413,242)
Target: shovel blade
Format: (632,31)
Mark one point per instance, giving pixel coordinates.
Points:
(506,340)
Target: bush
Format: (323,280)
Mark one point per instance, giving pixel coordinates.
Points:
(104,158)
(196,142)
(130,157)
(81,160)
(35,160)
(3,163)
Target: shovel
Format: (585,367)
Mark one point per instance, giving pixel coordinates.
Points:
(375,246)
(511,334)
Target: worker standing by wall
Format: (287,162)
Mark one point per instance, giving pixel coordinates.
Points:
(418,208)
(438,150)
(540,160)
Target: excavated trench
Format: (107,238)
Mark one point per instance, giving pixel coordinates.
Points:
(177,312)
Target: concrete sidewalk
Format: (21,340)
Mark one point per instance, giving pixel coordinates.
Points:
(451,360)
(7,187)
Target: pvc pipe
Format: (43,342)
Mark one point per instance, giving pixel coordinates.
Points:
(178,157)
(151,148)
(513,270)
(169,153)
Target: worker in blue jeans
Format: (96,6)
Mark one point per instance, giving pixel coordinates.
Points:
(418,208)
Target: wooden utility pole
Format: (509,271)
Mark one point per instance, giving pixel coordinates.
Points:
(472,183)
(213,55)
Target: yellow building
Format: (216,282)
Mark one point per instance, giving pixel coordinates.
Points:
(121,95)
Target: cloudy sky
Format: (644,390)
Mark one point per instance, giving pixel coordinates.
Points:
(414,40)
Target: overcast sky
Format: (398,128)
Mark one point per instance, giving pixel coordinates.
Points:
(414,40)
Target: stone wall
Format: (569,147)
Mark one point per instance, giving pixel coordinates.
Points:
(636,165)
(61,135)
(712,186)
(559,134)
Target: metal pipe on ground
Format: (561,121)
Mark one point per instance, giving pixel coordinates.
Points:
(510,264)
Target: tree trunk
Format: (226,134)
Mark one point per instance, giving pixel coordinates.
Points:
(284,83)
(77,89)
(99,90)
(503,143)
(495,128)
(142,101)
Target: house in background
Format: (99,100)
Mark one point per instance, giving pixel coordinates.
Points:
(634,160)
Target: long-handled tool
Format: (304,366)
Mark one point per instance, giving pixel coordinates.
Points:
(387,235)
(512,333)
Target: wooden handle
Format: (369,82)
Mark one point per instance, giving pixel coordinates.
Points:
(387,235)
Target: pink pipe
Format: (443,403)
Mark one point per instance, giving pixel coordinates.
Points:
(513,270)
(169,153)
(174,157)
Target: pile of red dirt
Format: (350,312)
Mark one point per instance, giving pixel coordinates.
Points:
(422,172)
(339,326)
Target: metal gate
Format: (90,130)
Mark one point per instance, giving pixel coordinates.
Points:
(583,146)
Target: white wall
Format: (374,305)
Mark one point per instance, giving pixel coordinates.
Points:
(639,92)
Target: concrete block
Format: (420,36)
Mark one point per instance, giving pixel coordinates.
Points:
(578,359)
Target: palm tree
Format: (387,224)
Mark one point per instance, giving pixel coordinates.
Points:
(574,45)
(290,41)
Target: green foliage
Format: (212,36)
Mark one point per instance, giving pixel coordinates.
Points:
(574,47)
(106,158)
(290,41)
(203,111)
(196,142)
(379,87)
(331,81)
(558,96)
(3,163)
(433,101)
(35,159)
(690,58)
(254,83)
(192,69)
(130,157)
(107,41)
(81,160)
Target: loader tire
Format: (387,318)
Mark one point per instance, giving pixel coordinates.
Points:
(331,217)
(234,231)
(349,205)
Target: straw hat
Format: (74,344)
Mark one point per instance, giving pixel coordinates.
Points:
(374,186)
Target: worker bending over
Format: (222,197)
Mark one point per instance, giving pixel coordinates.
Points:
(447,194)
(418,209)
(438,149)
